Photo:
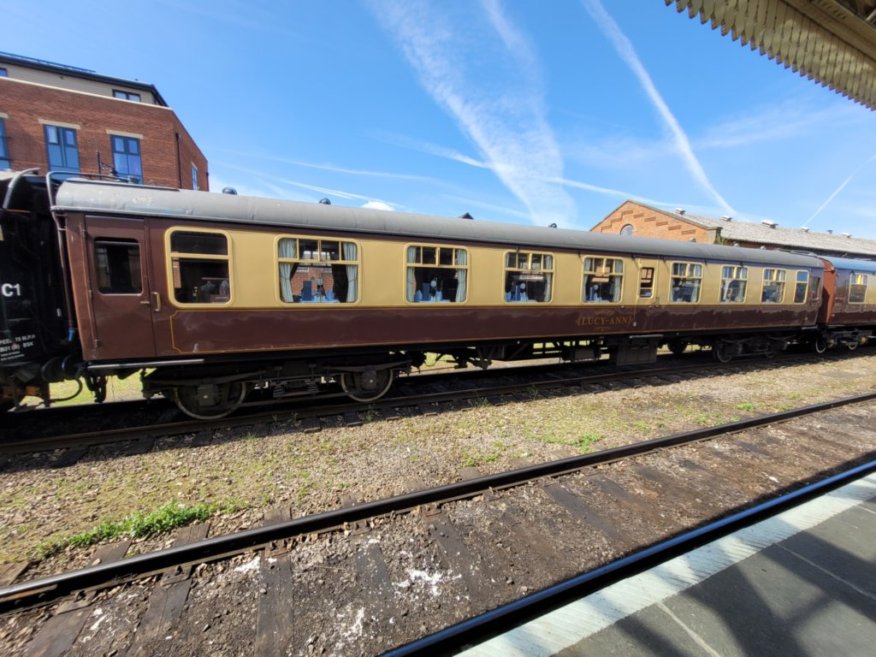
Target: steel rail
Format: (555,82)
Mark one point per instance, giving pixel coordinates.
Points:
(31,445)
(102,575)
(502,619)
(326,409)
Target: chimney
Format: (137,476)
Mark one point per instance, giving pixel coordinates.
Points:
(727,217)
(830,231)
(805,229)
(680,210)
(767,222)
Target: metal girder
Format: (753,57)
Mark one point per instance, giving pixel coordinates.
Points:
(830,41)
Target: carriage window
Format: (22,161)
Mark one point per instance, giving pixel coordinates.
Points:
(436,274)
(734,280)
(687,278)
(800,289)
(646,282)
(857,287)
(199,267)
(603,280)
(117,265)
(815,289)
(773,286)
(528,276)
(318,271)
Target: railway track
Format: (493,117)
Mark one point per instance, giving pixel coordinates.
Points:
(379,574)
(146,420)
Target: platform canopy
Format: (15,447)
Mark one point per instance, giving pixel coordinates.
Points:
(830,41)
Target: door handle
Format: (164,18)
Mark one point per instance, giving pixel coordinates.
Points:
(155,303)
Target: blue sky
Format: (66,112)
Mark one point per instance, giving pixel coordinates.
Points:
(526,111)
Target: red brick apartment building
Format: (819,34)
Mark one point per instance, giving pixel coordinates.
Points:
(66,119)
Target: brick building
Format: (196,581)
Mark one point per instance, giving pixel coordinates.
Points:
(66,119)
(640,220)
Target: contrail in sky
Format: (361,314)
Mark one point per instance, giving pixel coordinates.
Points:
(625,50)
(504,116)
(842,186)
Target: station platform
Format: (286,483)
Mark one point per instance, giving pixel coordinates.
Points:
(801,583)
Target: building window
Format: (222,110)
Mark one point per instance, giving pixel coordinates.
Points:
(3,72)
(126,158)
(62,149)
(857,287)
(528,276)
(199,267)
(195,177)
(646,282)
(802,284)
(603,280)
(436,274)
(126,95)
(687,278)
(773,286)
(318,271)
(118,266)
(5,162)
(734,281)
(627,229)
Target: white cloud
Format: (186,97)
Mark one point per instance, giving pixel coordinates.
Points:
(378,205)
(484,74)
(627,53)
(277,187)
(333,168)
(788,119)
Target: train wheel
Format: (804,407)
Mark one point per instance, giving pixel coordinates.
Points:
(852,345)
(367,386)
(819,346)
(210,402)
(723,352)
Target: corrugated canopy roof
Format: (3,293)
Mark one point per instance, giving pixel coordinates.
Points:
(832,41)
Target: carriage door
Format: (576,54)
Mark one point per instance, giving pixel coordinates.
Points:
(647,279)
(122,303)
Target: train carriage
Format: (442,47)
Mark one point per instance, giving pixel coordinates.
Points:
(210,296)
(848,314)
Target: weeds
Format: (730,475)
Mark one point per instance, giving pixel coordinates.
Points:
(138,525)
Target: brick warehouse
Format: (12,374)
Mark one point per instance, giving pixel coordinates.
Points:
(61,118)
(641,220)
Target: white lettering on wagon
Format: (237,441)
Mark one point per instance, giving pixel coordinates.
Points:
(11,348)
(10,289)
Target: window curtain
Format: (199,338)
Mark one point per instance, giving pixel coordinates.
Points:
(411,279)
(616,288)
(461,275)
(352,279)
(287,269)
(548,277)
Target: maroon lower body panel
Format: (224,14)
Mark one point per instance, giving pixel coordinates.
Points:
(224,331)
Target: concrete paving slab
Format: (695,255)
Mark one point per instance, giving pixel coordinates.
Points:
(801,583)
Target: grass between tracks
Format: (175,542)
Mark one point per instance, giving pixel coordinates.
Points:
(138,525)
(278,464)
